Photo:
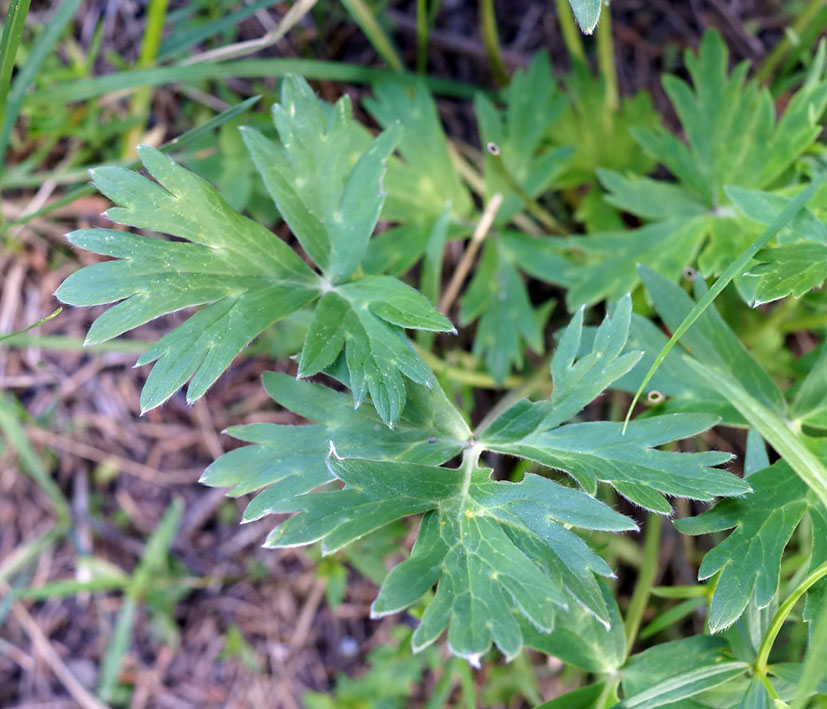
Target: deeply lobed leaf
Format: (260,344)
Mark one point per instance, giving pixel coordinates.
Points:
(248,276)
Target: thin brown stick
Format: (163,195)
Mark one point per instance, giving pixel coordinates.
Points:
(487,219)
(44,648)
(83,450)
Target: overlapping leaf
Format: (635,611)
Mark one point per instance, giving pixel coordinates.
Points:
(733,138)
(423,187)
(519,165)
(599,451)
(285,461)
(517,157)
(325,178)
(249,277)
(750,558)
(501,554)
(508,323)
(487,545)
(677,671)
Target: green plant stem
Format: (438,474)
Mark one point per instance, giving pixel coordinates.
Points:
(41,49)
(780,51)
(645,579)
(541,215)
(464,376)
(609,688)
(177,143)
(140,101)
(33,326)
(491,40)
(571,35)
(762,657)
(364,17)
(815,662)
(736,268)
(772,427)
(422,31)
(606,60)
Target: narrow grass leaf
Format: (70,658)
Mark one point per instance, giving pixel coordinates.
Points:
(736,268)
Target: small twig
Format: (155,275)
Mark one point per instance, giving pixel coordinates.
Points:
(240,49)
(44,648)
(487,219)
(307,614)
(83,450)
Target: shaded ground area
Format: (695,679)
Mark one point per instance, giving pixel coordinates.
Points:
(228,624)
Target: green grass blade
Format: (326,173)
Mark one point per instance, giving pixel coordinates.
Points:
(139,103)
(84,89)
(12,430)
(74,344)
(41,49)
(815,663)
(157,550)
(116,649)
(12,35)
(772,428)
(735,269)
(150,566)
(179,41)
(69,587)
(31,327)
(364,17)
(175,144)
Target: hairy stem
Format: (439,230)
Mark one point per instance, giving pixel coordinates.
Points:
(780,616)
(606,60)
(645,579)
(571,35)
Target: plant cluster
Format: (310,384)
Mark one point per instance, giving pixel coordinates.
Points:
(512,510)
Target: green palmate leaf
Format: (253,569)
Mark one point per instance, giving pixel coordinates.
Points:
(423,189)
(750,558)
(517,162)
(677,671)
(519,165)
(600,133)
(580,639)
(286,461)
(598,451)
(424,181)
(508,324)
(587,13)
(365,317)
(502,555)
(249,276)
(733,138)
(610,268)
(323,178)
(793,269)
(488,546)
